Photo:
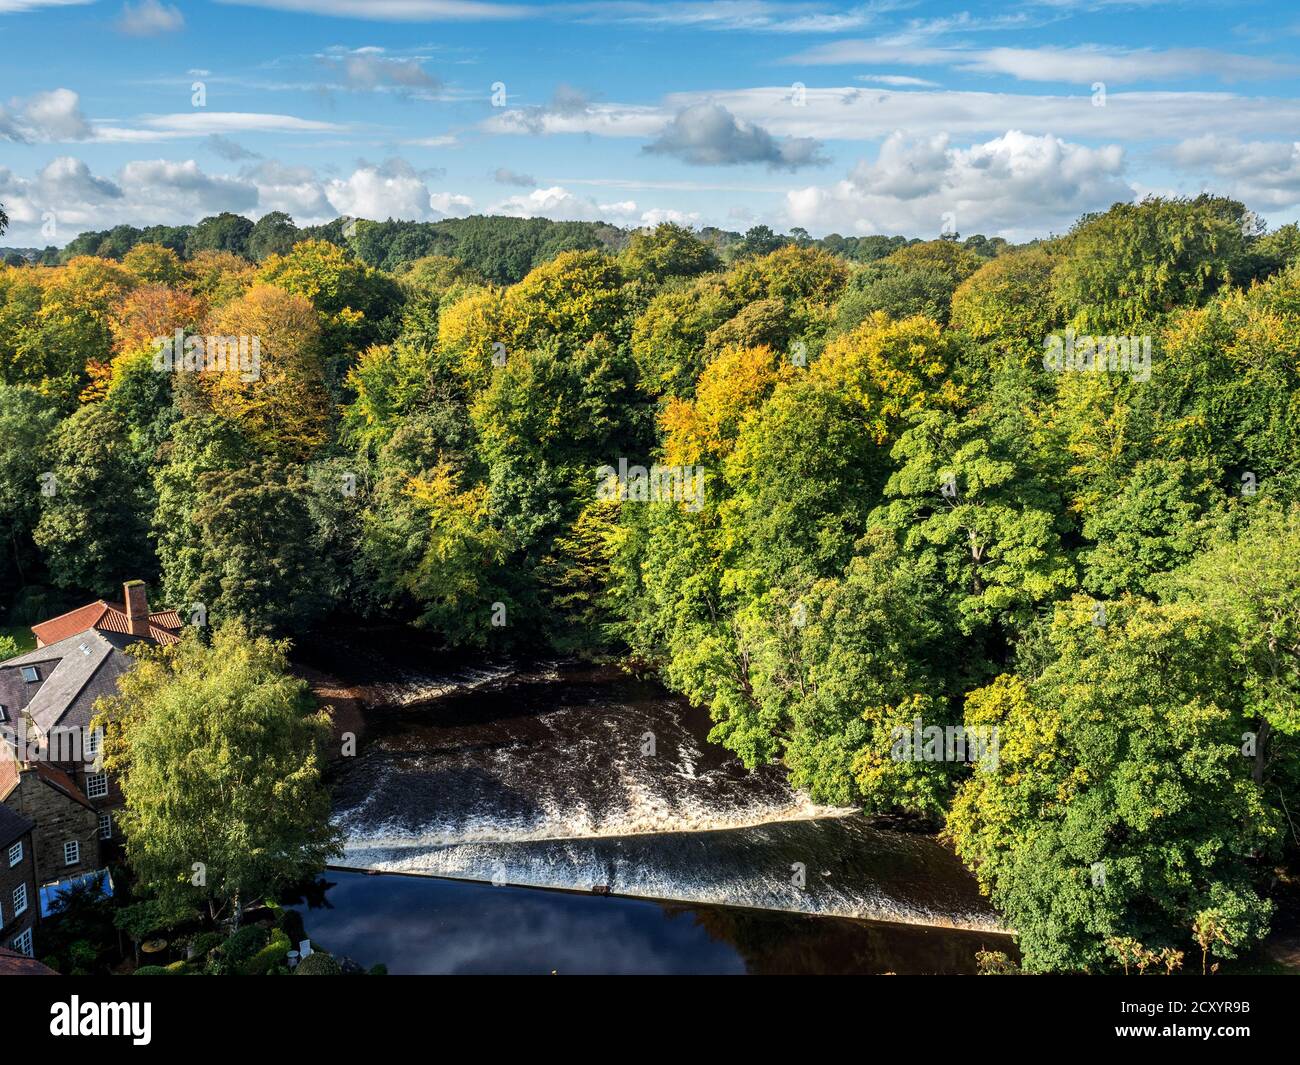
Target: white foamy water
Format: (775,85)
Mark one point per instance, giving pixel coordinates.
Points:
(571,777)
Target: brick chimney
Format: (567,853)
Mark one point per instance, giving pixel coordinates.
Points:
(137,607)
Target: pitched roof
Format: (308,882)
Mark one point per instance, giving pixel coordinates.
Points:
(73,674)
(61,782)
(14,964)
(164,625)
(12,825)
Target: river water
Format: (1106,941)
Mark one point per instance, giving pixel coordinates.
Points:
(569,776)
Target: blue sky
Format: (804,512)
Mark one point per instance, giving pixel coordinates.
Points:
(890,117)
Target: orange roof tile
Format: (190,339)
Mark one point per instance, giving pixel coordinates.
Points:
(164,625)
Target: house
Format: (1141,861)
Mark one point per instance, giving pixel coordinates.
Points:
(18,898)
(131,617)
(65,825)
(47,698)
(51,776)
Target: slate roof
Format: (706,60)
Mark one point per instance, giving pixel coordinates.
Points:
(73,673)
(12,826)
(164,625)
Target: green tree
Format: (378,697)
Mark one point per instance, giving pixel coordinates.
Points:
(1128,267)
(258,560)
(93,528)
(218,753)
(1121,804)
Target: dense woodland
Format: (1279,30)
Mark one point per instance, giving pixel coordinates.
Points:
(907,513)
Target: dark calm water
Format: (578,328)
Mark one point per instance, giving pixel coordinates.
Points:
(567,776)
(423,925)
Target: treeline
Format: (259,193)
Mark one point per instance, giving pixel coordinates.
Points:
(1046,494)
(501,249)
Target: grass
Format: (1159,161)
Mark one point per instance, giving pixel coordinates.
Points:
(22,635)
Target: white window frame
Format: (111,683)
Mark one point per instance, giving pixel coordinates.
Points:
(96,785)
(105,823)
(90,744)
(20,899)
(23,943)
(30,669)
(76,852)
(15,854)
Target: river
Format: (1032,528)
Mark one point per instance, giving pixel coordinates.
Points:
(518,776)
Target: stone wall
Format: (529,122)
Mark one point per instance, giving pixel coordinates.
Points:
(58,820)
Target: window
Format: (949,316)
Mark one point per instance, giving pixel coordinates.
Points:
(20,899)
(71,852)
(23,944)
(96,785)
(4,714)
(91,747)
(105,826)
(30,674)
(15,854)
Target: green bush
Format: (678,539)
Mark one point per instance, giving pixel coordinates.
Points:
(377,970)
(318,964)
(152,970)
(240,948)
(260,963)
(204,943)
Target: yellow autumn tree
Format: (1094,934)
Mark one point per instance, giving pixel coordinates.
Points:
(284,406)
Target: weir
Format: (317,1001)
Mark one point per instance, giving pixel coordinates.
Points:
(542,775)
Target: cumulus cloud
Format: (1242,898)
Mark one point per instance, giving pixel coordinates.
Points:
(390,190)
(149,18)
(1015,185)
(293,189)
(46,116)
(707,134)
(1261,173)
(561,205)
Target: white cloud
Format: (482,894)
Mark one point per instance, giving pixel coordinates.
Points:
(897,81)
(856,113)
(1016,185)
(394,10)
(203,123)
(1264,174)
(1087,63)
(560,205)
(10,6)
(573,114)
(392,190)
(733,15)
(46,116)
(149,18)
(1083,63)
(292,189)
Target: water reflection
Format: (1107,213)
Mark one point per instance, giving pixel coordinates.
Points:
(423,925)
